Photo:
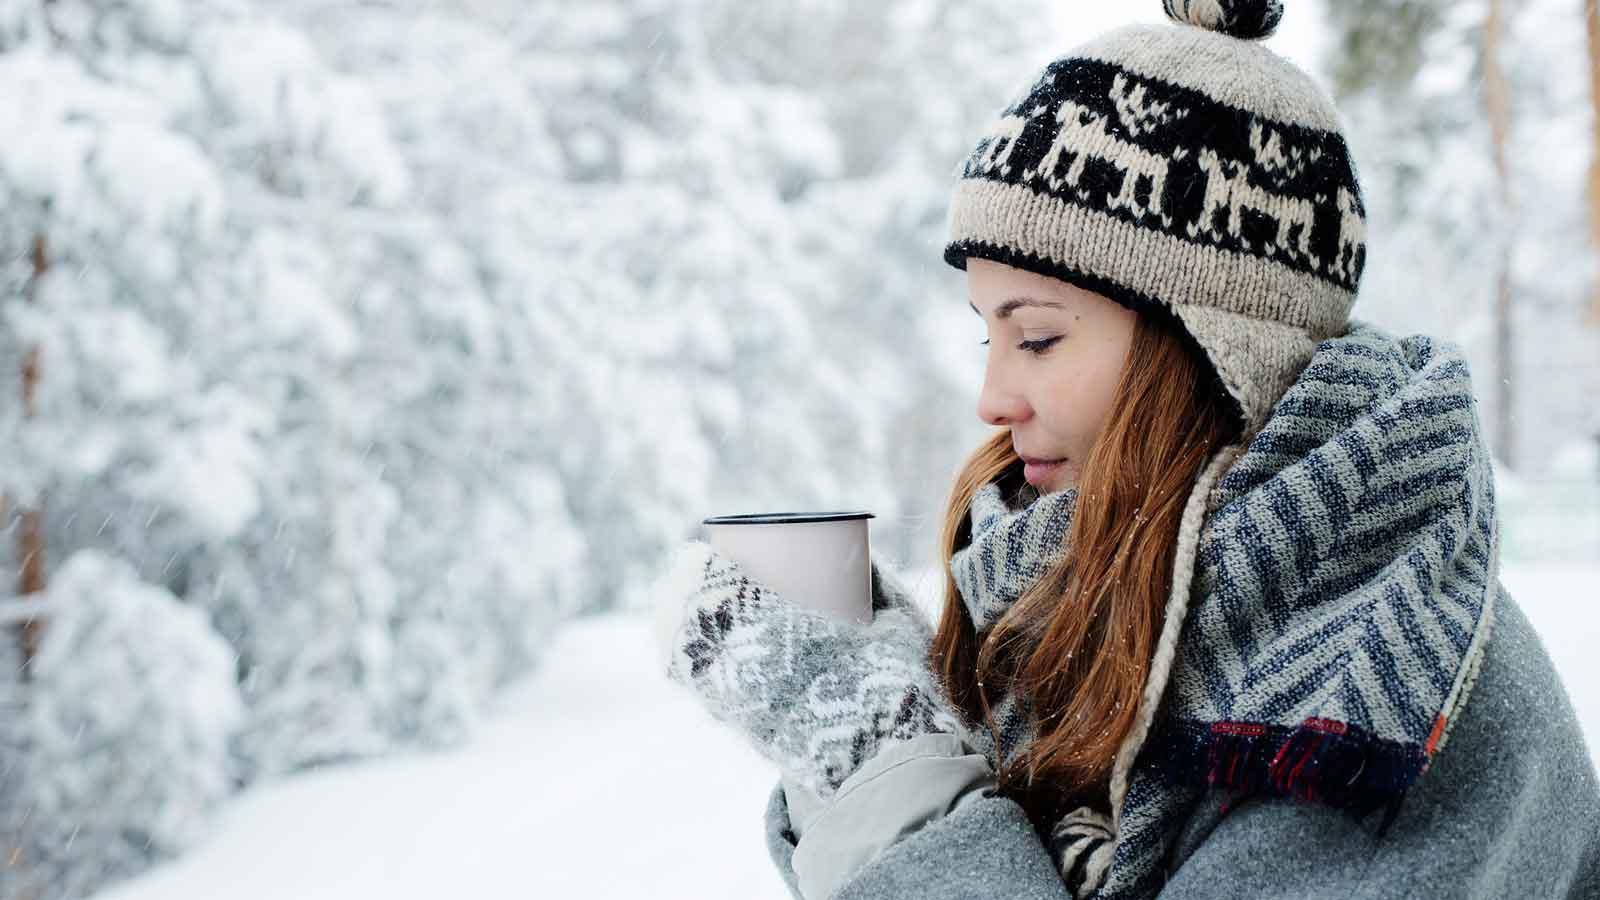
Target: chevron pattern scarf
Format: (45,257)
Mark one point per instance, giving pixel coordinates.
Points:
(1340,594)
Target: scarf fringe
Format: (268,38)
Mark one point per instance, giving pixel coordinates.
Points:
(1320,760)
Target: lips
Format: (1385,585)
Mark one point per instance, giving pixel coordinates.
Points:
(1039,473)
(1038,460)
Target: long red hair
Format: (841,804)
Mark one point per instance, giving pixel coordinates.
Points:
(1079,642)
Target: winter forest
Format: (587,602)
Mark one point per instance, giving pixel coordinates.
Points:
(361,362)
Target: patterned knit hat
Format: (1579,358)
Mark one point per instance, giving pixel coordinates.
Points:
(1180,170)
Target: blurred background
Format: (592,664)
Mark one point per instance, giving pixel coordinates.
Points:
(360,363)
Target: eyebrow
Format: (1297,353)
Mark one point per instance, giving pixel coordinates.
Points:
(1005,309)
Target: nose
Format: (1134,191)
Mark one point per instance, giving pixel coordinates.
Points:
(998,403)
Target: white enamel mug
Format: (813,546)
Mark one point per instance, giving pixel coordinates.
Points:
(819,560)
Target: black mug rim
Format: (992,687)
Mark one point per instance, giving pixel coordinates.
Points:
(786,518)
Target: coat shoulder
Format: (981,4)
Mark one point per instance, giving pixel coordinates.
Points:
(1507,806)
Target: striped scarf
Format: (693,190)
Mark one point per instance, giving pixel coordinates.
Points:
(1017,535)
(1335,591)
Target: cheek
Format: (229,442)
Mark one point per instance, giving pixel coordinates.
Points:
(1079,401)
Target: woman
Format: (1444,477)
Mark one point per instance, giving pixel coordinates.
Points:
(1223,615)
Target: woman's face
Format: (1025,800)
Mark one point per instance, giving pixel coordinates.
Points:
(1056,353)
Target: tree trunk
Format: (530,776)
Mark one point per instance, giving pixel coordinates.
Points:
(1497,104)
(30,537)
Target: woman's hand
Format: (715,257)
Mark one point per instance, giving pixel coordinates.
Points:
(816,695)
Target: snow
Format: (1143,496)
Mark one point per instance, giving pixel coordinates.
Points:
(1560,602)
(210,473)
(134,348)
(1576,459)
(271,77)
(595,777)
(553,797)
(113,776)
(289,284)
(159,180)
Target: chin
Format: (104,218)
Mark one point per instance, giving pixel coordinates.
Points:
(1050,485)
(1056,483)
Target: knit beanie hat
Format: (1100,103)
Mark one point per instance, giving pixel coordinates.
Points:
(1183,171)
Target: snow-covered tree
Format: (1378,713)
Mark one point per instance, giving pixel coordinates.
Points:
(117,749)
(1409,77)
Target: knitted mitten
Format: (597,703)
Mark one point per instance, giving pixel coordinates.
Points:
(816,695)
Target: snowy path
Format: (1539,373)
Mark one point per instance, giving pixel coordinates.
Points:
(558,795)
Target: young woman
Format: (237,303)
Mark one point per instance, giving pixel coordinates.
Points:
(1223,615)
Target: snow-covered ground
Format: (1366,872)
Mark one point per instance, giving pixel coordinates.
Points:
(595,778)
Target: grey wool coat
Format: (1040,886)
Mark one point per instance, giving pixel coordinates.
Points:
(1510,808)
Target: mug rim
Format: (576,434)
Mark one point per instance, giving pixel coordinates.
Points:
(784,518)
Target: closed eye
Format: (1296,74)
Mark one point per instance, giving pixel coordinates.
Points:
(1037,348)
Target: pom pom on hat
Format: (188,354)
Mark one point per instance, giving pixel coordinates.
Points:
(1247,19)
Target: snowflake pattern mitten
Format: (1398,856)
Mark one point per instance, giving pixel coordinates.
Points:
(816,695)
